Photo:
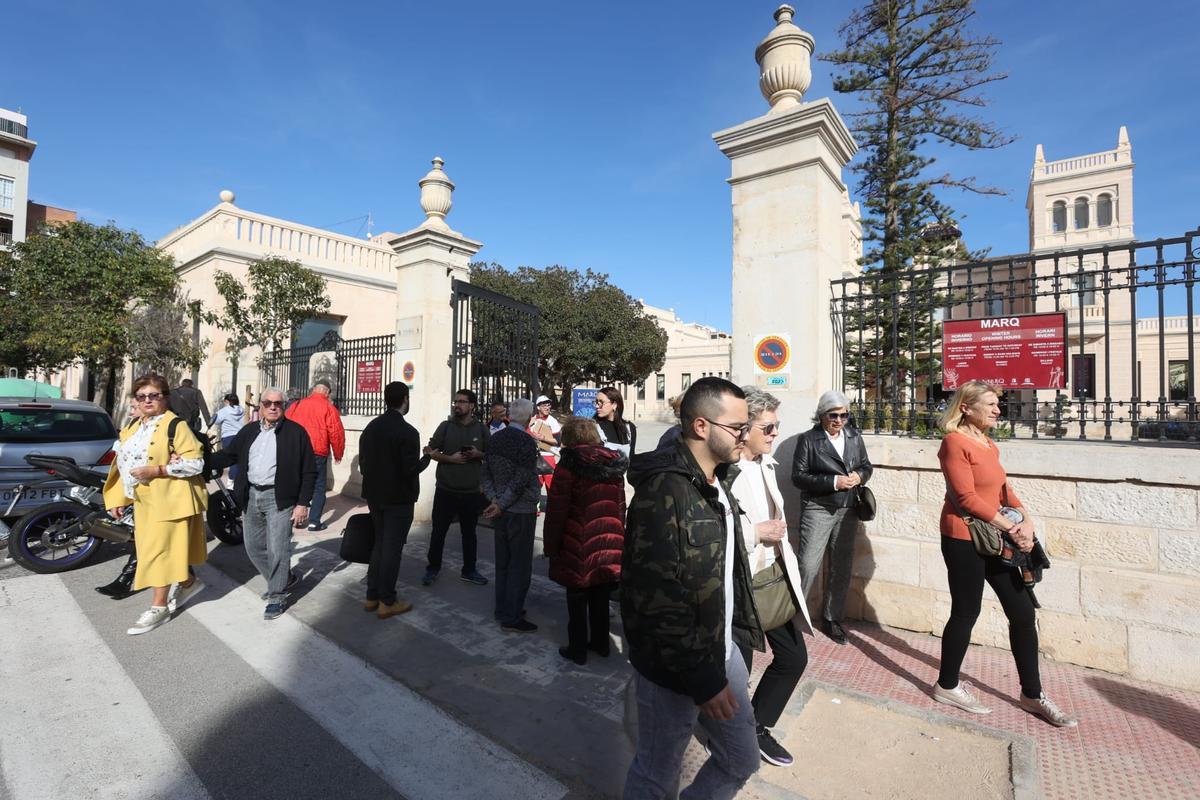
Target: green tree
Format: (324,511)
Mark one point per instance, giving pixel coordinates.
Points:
(68,294)
(590,330)
(263,310)
(161,338)
(916,71)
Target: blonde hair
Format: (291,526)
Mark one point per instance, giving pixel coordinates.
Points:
(579,430)
(966,395)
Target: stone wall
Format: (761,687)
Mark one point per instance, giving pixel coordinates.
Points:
(1121,524)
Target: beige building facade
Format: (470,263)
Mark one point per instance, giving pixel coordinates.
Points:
(16,150)
(694,351)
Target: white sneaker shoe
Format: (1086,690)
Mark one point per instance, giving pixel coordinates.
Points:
(180,594)
(959,697)
(1044,707)
(149,620)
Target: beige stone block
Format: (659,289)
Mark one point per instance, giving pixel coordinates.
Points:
(1059,589)
(1165,657)
(1098,643)
(1168,601)
(894,484)
(1148,506)
(933,567)
(905,520)
(931,489)
(885,559)
(991,628)
(1179,552)
(1094,543)
(909,607)
(1046,498)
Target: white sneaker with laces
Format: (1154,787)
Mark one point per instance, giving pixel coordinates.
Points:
(180,594)
(149,620)
(959,697)
(1044,707)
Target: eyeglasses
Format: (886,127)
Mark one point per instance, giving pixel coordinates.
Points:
(740,431)
(272,403)
(148,397)
(835,416)
(599,403)
(769,428)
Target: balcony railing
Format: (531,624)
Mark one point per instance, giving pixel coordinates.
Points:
(13,127)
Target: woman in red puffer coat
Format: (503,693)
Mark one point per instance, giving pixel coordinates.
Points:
(585,534)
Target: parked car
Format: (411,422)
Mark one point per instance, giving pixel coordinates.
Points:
(74,428)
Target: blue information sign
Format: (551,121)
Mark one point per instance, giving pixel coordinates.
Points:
(583,402)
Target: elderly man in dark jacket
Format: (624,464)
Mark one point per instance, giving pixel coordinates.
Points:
(389,457)
(686,599)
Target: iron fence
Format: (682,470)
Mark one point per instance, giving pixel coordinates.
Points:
(356,369)
(495,345)
(1130,336)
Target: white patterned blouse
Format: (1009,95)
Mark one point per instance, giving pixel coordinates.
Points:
(133,452)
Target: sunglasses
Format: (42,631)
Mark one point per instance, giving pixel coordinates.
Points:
(769,428)
(272,403)
(740,431)
(148,397)
(834,416)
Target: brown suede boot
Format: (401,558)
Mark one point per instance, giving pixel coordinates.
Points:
(398,607)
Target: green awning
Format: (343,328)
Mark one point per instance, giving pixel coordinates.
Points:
(20,387)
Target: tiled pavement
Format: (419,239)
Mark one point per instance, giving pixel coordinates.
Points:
(1134,740)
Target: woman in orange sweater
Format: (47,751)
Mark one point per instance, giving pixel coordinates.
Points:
(977,486)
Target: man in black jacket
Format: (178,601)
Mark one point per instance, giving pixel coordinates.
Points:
(389,457)
(273,487)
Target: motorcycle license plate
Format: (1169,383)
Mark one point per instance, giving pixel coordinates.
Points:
(31,496)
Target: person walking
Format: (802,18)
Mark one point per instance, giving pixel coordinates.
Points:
(274,486)
(977,486)
(228,420)
(510,482)
(168,500)
(391,463)
(188,403)
(323,423)
(584,534)
(830,461)
(776,573)
(616,433)
(686,599)
(458,446)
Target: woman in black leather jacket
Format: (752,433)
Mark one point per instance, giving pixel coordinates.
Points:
(830,462)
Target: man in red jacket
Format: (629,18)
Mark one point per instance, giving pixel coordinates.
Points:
(324,425)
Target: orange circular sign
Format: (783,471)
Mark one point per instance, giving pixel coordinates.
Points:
(771,354)
(409,371)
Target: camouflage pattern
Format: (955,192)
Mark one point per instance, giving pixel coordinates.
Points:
(672,574)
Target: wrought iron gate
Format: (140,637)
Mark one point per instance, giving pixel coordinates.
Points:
(495,347)
(357,370)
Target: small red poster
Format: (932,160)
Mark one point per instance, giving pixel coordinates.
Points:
(369,376)
(1022,352)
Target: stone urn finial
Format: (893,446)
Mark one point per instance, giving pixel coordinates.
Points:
(436,188)
(783,62)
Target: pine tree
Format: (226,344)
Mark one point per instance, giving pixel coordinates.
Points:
(916,71)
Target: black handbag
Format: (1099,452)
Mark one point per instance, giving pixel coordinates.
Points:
(864,504)
(358,539)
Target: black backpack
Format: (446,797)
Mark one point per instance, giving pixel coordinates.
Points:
(208,472)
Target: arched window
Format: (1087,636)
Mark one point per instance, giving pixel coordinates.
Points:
(1081,213)
(1104,213)
(1058,216)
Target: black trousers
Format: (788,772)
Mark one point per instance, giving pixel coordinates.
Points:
(446,506)
(391,532)
(789,660)
(587,609)
(967,571)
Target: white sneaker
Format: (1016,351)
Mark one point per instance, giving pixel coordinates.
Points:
(1044,707)
(149,620)
(959,697)
(180,594)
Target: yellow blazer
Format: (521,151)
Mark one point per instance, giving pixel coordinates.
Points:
(164,499)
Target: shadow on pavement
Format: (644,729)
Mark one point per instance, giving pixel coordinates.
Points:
(1167,713)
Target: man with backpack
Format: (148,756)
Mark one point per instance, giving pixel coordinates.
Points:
(457,446)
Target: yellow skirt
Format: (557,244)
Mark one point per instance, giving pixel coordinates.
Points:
(165,549)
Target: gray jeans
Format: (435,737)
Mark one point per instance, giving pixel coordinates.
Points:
(822,528)
(667,720)
(268,539)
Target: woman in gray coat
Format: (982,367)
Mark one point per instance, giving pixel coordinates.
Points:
(830,462)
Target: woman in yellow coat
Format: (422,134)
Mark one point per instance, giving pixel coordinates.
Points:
(168,499)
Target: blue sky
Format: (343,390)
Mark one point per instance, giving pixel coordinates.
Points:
(578,134)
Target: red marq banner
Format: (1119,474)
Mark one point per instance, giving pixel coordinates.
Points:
(369,377)
(1018,352)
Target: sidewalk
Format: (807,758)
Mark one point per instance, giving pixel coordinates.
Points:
(1135,740)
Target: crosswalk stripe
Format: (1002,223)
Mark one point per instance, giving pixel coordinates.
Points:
(420,750)
(66,697)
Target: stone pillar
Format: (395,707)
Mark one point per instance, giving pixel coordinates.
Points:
(430,258)
(790,237)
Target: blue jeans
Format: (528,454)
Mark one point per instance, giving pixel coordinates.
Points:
(666,721)
(268,540)
(514,534)
(318,502)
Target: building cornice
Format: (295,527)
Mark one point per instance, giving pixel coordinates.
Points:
(818,118)
(246,257)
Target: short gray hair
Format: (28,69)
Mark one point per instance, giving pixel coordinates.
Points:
(520,410)
(758,401)
(829,401)
(271,390)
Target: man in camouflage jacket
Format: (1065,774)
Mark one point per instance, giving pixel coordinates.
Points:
(686,597)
